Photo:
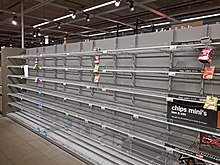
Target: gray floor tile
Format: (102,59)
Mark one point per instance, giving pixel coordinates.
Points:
(51,151)
(31,158)
(18,150)
(9,162)
(39,143)
(47,162)
(19,146)
(3,157)
(65,159)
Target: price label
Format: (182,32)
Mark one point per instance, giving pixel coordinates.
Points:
(104,89)
(90,105)
(103,108)
(173,47)
(169,99)
(104,71)
(169,150)
(66,69)
(172,74)
(105,52)
(88,87)
(135,116)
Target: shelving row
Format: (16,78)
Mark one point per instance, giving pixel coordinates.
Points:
(127,110)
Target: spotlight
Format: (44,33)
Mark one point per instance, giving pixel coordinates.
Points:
(87,17)
(39,34)
(73,12)
(34,34)
(117,3)
(14,20)
(59,26)
(131,5)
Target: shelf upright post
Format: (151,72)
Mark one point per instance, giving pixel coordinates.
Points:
(64,72)
(80,73)
(115,74)
(134,63)
(43,64)
(92,75)
(55,64)
(171,58)
(80,65)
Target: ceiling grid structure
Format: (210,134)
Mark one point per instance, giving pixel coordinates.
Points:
(104,20)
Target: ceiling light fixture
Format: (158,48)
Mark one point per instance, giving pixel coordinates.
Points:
(34,34)
(99,6)
(117,3)
(97,34)
(200,17)
(39,34)
(41,24)
(131,5)
(73,12)
(87,17)
(58,25)
(14,20)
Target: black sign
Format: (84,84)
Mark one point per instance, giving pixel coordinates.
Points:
(191,114)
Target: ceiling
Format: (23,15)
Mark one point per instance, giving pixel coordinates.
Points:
(103,20)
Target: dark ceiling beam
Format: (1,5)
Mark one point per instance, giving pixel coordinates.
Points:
(92,15)
(97,15)
(157,12)
(28,10)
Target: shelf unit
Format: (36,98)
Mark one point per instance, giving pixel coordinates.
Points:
(123,119)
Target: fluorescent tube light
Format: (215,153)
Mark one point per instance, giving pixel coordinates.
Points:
(163,23)
(200,17)
(122,30)
(63,17)
(99,6)
(145,26)
(98,34)
(41,24)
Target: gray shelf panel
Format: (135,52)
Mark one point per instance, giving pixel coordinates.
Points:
(83,116)
(34,110)
(98,144)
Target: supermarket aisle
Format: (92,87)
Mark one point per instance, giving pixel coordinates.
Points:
(19,146)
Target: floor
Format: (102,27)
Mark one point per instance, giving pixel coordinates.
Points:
(19,146)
